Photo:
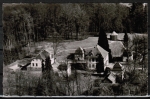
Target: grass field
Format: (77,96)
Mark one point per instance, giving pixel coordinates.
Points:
(86,43)
(70,47)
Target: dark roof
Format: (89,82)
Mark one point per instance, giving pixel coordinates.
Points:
(106,80)
(24,61)
(90,57)
(94,51)
(117,48)
(43,55)
(136,81)
(117,67)
(97,50)
(70,56)
(79,51)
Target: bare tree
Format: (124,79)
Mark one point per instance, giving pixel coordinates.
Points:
(140,49)
(57,43)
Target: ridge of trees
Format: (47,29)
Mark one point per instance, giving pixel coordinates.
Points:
(26,23)
(37,21)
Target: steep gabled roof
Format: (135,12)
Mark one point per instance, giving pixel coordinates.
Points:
(114,33)
(136,81)
(112,77)
(96,50)
(70,56)
(79,51)
(43,55)
(106,81)
(25,61)
(49,50)
(103,52)
(117,67)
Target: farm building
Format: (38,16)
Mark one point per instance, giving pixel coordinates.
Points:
(37,62)
(92,57)
(110,78)
(118,69)
(114,36)
(117,50)
(20,64)
(79,54)
(95,55)
(34,63)
(115,72)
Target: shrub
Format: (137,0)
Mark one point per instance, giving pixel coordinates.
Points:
(97,82)
(79,66)
(62,67)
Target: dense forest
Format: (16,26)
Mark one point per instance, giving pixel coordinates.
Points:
(25,23)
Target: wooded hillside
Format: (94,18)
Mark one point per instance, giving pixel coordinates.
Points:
(25,23)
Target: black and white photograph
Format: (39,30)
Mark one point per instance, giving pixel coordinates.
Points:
(75,49)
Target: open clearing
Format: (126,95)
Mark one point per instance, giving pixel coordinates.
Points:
(71,46)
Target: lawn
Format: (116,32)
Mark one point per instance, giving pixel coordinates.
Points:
(71,45)
(86,43)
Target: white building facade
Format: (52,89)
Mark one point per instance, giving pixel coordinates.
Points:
(40,59)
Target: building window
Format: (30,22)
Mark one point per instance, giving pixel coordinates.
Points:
(96,59)
(36,64)
(93,66)
(52,56)
(89,65)
(93,59)
(32,64)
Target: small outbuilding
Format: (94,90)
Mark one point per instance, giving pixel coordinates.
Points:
(114,36)
(118,69)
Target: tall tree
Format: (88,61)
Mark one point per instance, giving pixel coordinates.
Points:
(140,49)
(75,17)
(57,44)
(109,16)
(138,16)
(48,78)
(103,42)
(126,41)
(48,64)
(100,64)
(126,38)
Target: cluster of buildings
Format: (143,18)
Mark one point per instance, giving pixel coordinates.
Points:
(98,58)
(34,63)
(95,58)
